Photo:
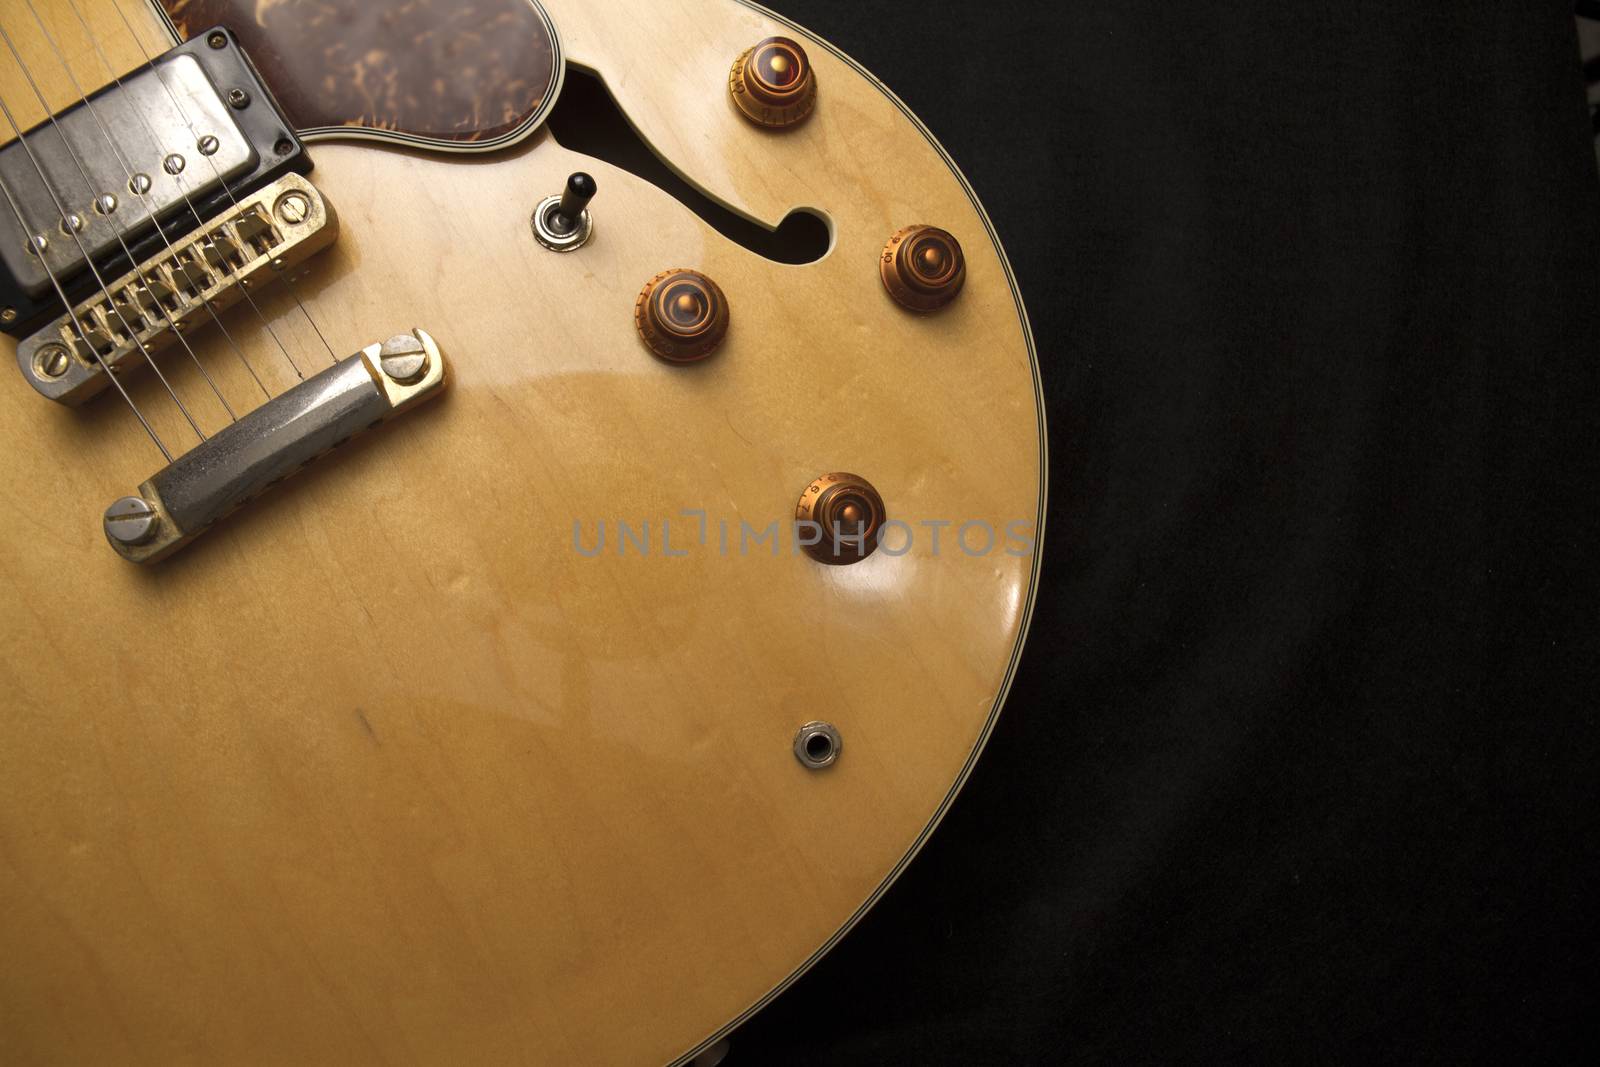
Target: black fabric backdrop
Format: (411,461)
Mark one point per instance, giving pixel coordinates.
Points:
(1300,762)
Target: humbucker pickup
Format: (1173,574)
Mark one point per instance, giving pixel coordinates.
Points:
(271,230)
(139,111)
(162,147)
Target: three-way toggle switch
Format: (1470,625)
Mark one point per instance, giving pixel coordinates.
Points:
(562,223)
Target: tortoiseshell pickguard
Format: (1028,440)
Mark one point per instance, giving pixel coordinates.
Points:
(459,74)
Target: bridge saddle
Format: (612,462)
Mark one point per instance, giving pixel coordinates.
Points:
(273,229)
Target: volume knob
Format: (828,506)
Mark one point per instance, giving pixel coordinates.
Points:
(848,513)
(772,83)
(923,268)
(682,315)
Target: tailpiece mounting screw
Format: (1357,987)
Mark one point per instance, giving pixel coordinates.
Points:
(403,358)
(131,521)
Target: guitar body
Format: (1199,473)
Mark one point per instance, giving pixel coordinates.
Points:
(394,764)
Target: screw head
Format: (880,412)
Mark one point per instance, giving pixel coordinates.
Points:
(208,145)
(173,164)
(51,361)
(293,208)
(238,99)
(404,358)
(131,521)
(8,316)
(217,40)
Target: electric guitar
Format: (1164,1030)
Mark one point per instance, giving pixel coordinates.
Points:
(522,518)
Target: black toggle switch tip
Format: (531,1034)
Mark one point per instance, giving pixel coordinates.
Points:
(576,196)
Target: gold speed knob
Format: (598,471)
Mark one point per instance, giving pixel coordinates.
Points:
(848,516)
(682,315)
(772,83)
(923,268)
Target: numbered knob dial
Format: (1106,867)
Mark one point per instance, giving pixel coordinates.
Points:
(682,315)
(923,268)
(772,84)
(848,514)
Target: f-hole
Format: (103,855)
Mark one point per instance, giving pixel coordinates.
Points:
(587,119)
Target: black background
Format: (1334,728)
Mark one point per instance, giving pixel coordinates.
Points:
(1300,761)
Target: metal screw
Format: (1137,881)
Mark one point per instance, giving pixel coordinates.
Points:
(51,361)
(139,184)
(293,208)
(8,316)
(173,164)
(238,99)
(283,146)
(217,40)
(71,224)
(105,203)
(208,145)
(38,243)
(403,358)
(131,521)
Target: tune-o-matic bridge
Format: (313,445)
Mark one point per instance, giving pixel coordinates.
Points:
(143,310)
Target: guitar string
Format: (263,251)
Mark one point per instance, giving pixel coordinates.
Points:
(89,187)
(283,276)
(144,197)
(83,334)
(105,62)
(88,260)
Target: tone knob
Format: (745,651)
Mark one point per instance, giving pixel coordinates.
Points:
(772,83)
(923,268)
(682,315)
(848,514)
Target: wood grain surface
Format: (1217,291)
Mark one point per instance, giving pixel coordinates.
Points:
(382,769)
